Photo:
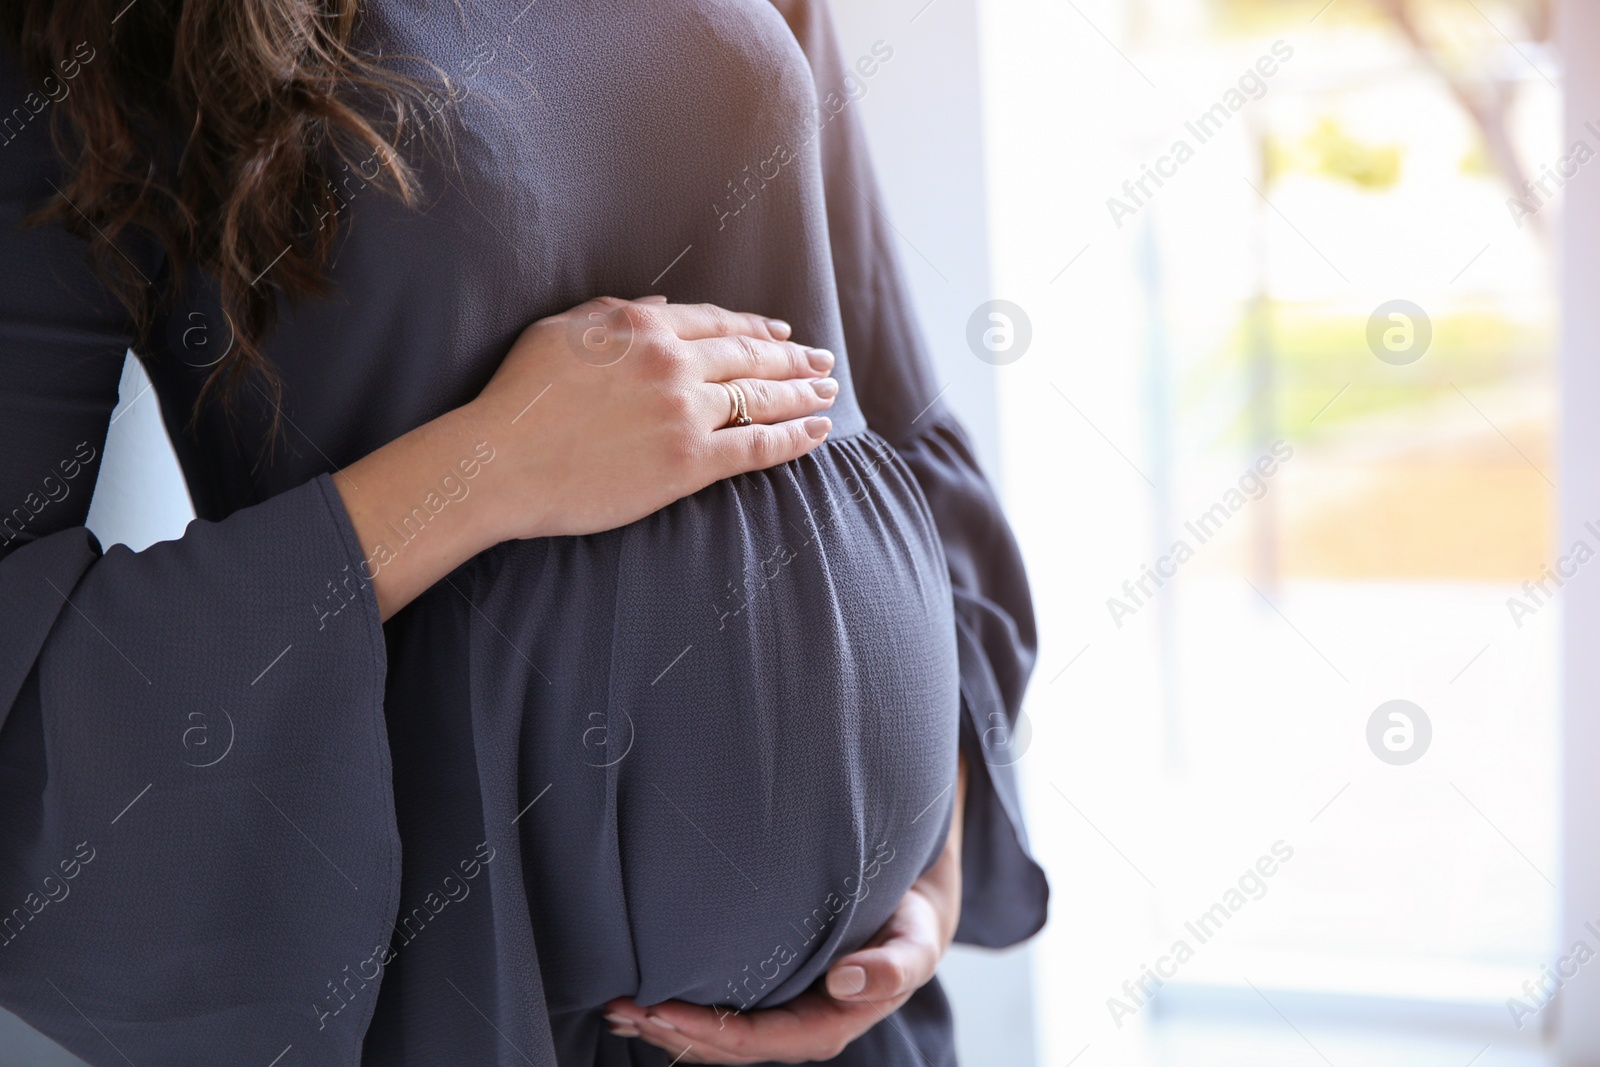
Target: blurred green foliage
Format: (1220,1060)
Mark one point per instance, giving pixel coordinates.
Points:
(1316,352)
(1328,150)
(1476,162)
(1259,16)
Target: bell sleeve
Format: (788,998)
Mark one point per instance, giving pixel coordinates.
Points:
(198,853)
(1004,892)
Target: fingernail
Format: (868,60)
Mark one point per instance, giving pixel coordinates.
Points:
(826,387)
(847,982)
(656,1020)
(624,1031)
(779,328)
(821,359)
(818,428)
(618,1019)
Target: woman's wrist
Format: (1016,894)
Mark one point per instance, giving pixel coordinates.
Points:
(946,874)
(424,504)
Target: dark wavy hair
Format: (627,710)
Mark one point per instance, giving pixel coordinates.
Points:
(212,126)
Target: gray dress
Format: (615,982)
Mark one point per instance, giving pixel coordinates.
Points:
(699,757)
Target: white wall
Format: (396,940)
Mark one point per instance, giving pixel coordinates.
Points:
(1579,1003)
(139,497)
(923,119)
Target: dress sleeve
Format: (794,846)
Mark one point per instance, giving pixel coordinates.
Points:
(198,855)
(1004,891)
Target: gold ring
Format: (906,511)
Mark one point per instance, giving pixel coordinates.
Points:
(738,411)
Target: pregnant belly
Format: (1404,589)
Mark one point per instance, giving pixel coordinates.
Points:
(740,717)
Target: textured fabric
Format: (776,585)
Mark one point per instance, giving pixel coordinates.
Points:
(697,757)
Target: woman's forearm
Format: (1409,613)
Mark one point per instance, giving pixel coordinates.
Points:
(942,883)
(422,505)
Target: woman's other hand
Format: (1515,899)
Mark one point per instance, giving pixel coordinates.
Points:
(596,417)
(860,990)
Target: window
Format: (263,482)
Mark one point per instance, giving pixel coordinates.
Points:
(1281,453)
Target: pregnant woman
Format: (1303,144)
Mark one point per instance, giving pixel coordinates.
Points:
(575,693)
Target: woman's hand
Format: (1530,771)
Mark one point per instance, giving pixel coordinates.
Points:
(861,989)
(635,419)
(596,418)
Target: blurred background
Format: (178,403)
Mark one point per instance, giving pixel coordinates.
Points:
(1274,393)
(1256,310)
(1174,745)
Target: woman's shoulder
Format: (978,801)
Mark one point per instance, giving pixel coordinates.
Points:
(744,46)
